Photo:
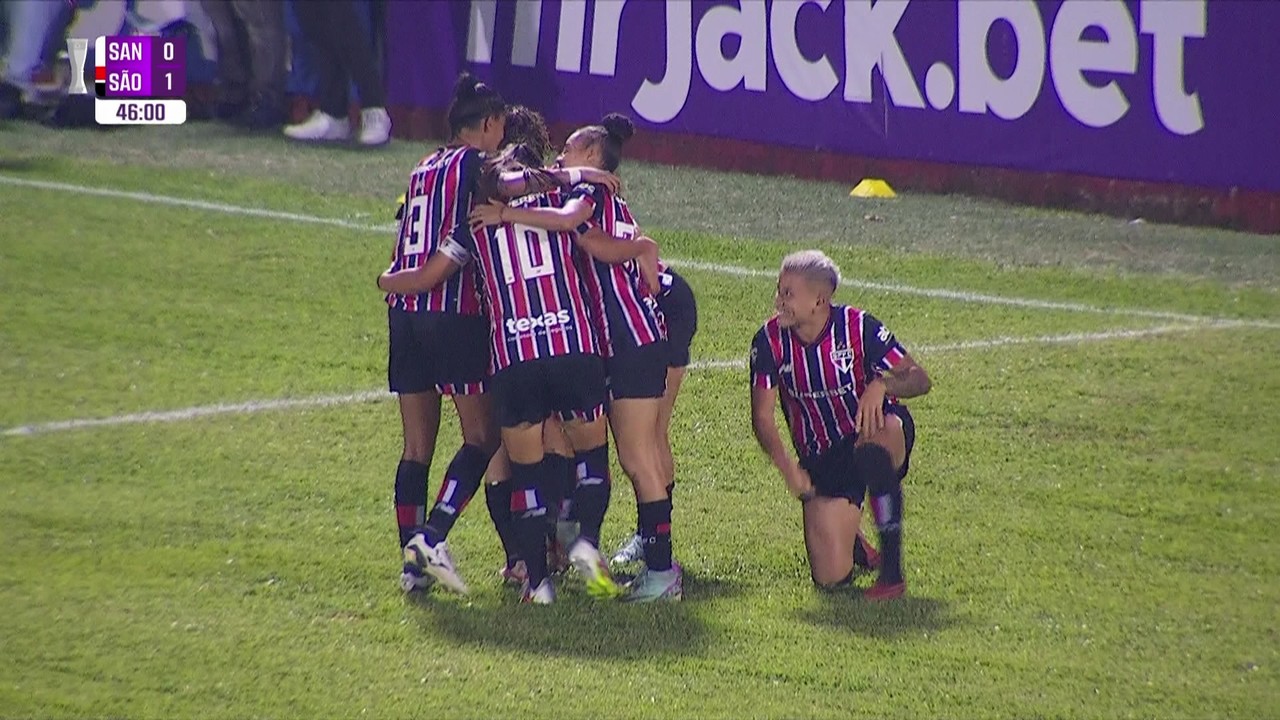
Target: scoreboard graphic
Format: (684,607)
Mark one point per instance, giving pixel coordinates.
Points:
(137,79)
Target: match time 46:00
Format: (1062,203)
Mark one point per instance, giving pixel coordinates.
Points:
(140,112)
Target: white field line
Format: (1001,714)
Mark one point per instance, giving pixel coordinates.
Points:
(194,204)
(923,351)
(256,406)
(191,413)
(734,270)
(965,296)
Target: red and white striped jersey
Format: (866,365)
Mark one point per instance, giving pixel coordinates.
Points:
(537,305)
(625,313)
(820,383)
(437,204)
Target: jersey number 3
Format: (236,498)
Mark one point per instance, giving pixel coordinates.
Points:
(414,238)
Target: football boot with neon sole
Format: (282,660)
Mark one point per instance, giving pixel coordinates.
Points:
(586,559)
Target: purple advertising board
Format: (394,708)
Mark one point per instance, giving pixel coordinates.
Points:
(1180,91)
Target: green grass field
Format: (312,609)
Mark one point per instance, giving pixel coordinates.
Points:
(1092,506)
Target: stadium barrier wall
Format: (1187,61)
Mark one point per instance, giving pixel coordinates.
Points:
(1164,109)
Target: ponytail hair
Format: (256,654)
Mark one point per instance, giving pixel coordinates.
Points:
(473,102)
(612,132)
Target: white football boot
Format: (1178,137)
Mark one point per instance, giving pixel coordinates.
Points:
(434,561)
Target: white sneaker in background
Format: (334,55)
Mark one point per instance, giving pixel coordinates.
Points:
(375,127)
(320,127)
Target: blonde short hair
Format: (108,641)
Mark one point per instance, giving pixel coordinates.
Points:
(814,265)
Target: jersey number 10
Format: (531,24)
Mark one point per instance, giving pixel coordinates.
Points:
(532,252)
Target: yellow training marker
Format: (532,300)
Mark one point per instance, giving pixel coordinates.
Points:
(872,188)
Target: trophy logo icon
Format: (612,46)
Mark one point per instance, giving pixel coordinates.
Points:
(78,50)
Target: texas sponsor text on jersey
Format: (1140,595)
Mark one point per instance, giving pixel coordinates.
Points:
(532,289)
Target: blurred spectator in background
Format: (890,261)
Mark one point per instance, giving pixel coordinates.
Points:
(31,34)
(251,61)
(343,55)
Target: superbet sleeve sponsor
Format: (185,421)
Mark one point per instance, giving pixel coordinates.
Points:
(764,368)
(882,349)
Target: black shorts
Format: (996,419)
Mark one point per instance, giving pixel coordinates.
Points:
(570,386)
(680,310)
(638,372)
(444,352)
(831,470)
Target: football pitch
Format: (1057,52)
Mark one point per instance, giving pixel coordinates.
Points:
(197,454)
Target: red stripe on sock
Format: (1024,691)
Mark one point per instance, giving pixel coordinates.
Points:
(407,515)
(522,500)
(664,528)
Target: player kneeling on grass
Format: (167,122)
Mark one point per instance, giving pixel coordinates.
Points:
(840,373)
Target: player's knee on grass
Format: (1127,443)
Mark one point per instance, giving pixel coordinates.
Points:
(835,586)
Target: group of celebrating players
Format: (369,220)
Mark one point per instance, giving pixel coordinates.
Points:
(528,295)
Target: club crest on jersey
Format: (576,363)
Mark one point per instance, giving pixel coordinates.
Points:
(843,358)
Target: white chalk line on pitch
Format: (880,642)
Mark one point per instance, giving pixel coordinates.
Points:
(193,204)
(735,270)
(256,406)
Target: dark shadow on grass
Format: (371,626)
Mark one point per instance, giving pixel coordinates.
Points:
(25,164)
(577,625)
(698,586)
(848,611)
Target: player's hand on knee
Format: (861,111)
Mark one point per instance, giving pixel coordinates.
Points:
(870,418)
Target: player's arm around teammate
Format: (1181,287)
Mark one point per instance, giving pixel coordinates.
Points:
(438,340)
(589,501)
(515,183)
(442,265)
(576,215)
(839,374)
(633,331)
